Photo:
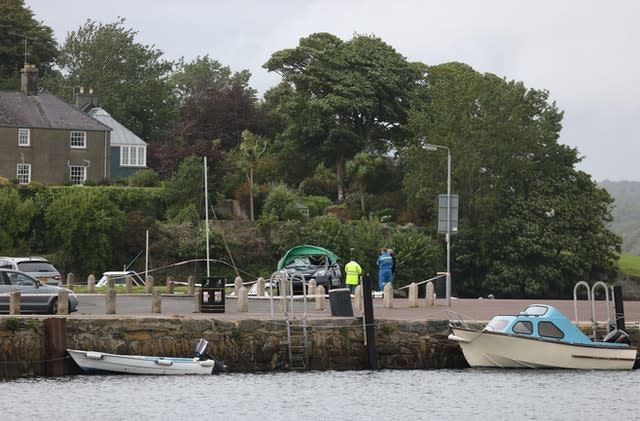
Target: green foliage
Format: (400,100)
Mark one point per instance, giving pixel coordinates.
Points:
(281,204)
(12,324)
(16,216)
(85,225)
(185,187)
(316,204)
(418,256)
(629,264)
(145,178)
(322,183)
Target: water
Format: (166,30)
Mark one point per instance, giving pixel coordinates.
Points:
(470,394)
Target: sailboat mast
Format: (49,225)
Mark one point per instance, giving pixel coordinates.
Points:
(206,213)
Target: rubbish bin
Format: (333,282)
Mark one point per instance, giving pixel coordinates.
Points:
(340,302)
(213,294)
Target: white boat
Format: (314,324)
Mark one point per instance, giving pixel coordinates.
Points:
(102,362)
(541,337)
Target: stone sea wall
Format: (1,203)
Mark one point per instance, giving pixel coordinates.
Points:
(244,346)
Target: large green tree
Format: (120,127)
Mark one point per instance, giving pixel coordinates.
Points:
(20,33)
(530,223)
(346,96)
(131,79)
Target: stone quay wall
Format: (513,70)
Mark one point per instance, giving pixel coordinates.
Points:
(244,345)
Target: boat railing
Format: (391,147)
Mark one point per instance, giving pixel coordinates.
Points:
(456,320)
(591,299)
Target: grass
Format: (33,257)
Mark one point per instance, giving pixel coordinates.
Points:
(629,264)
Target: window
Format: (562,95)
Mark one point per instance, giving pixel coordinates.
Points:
(78,140)
(23,173)
(133,156)
(24,137)
(523,327)
(78,174)
(550,330)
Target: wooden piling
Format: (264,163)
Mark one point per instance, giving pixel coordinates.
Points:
(55,346)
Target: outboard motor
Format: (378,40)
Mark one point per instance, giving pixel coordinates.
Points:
(201,352)
(618,336)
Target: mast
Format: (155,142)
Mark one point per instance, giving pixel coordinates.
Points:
(206,213)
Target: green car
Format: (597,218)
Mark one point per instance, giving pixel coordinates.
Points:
(35,297)
(305,262)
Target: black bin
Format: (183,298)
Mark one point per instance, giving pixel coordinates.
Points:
(212,293)
(340,302)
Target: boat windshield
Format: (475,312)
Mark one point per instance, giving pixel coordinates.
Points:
(536,310)
(497,325)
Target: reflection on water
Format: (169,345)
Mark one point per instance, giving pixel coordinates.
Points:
(471,394)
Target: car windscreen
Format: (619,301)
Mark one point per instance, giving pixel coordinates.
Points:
(36,267)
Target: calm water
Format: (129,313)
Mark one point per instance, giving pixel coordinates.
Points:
(470,394)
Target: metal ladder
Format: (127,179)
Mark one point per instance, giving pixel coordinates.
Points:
(609,303)
(297,334)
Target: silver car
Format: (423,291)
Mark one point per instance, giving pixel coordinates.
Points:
(35,297)
(38,267)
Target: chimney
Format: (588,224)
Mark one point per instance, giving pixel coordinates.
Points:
(29,79)
(85,102)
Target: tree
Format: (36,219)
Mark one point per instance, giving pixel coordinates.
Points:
(15,221)
(530,224)
(185,188)
(131,79)
(345,97)
(359,169)
(19,31)
(250,151)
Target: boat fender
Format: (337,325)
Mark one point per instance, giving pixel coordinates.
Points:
(93,355)
(164,362)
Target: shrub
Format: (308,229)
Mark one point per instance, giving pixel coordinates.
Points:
(144,178)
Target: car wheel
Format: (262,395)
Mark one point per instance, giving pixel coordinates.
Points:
(53,307)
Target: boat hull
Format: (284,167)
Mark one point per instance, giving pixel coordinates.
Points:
(91,361)
(495,349)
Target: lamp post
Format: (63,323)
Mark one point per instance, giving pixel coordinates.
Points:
(432,147)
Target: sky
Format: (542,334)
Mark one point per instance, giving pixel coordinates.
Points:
(583,52)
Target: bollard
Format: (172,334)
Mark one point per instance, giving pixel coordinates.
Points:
(321,301)
(71,279)
(171,286)
(198,300)
(237,284)
(313,289)
(91,284)
(243,299)
(388,295)
(413,295)
(111,301)
(156,303)
(260,287)
(111,282)
(128,284)
(357,300)
(191,285)
(429,295)
(63,302)
(148,284)
(14,302)
(284,292)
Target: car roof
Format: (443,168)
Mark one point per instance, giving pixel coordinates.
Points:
(34,258)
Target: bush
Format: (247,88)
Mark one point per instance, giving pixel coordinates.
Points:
(144,178)
(281,204)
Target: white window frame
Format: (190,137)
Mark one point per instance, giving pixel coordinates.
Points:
(78,139)
(77,174)
(133,156)
(23,170)
(24,137)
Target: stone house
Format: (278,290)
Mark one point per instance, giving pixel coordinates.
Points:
(45,139)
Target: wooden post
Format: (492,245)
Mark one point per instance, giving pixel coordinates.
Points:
(14,302)
(191,283)
(91,284)
(243,299)
(111,301)
(413,295)
(156,306)
(55,346)
(388,295)
(63,302)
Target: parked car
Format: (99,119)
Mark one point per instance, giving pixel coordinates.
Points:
(306,262)
(38,267)
(119,278)
(35,297)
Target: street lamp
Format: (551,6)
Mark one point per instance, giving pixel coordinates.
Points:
(431,147)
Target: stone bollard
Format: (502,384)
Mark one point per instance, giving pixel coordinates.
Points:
(429,296)
(313,288)
(171,286)
(63,302)
(91,284)
(321,301)
(111,282)
(198,300)
(191,285)
(111,301)
(413,295)
(260,287)
(14,302)
(71,279)
(243,299)
(156,301)
(237,284)
(148,284)
(128,284)
(284,291)
(356,300)
(388,295)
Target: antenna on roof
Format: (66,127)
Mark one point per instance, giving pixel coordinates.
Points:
(25,37)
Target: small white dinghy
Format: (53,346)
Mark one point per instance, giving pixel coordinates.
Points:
(102,362)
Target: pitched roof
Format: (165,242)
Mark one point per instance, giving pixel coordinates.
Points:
(120,135)
(43,111)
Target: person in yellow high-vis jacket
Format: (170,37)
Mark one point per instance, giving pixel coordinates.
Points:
(353,272)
